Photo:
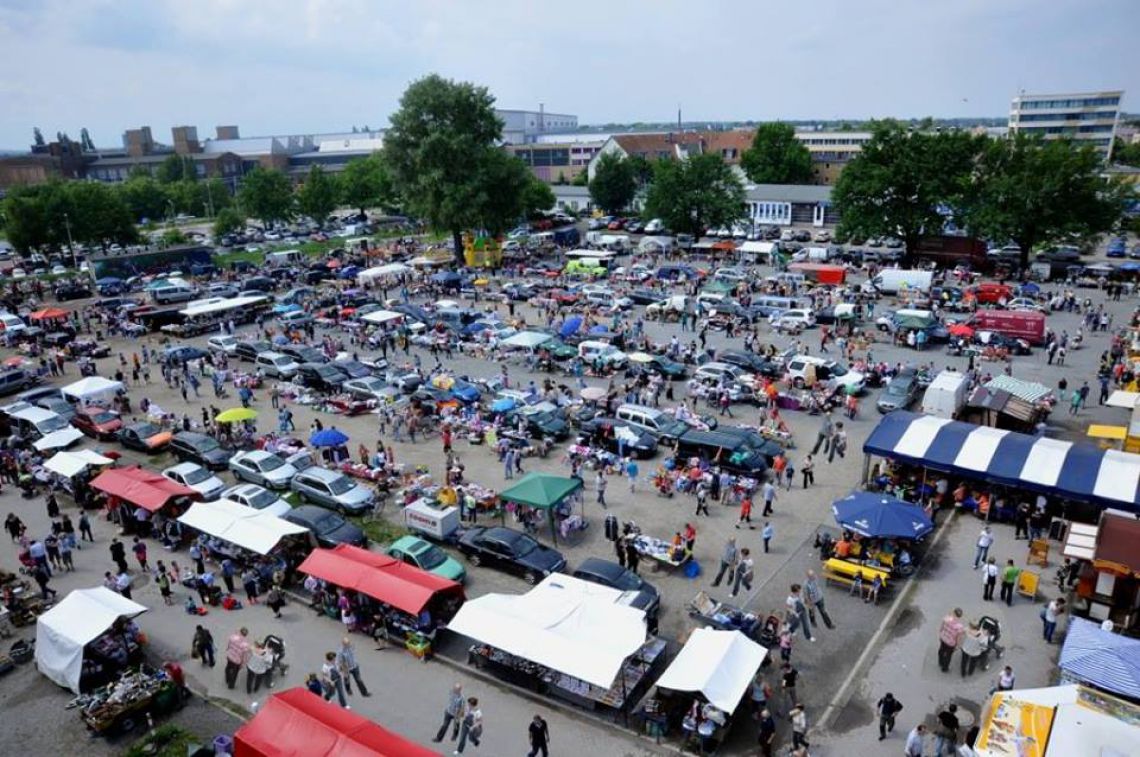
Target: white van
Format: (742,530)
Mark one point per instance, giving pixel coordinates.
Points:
(673,304)
(946,395)
(283,258)
(590,351)
(807,370)
(893,280)
(277,365)
(658,422)
(173,292)
(12,323)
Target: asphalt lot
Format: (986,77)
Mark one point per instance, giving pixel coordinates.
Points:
(413,692)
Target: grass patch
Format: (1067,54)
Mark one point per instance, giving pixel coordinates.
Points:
(165,741)
(382,531)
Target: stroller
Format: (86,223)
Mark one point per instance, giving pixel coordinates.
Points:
(992,627)
(768,636)
(276,645)
(27,563)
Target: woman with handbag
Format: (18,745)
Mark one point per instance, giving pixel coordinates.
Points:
(472,728)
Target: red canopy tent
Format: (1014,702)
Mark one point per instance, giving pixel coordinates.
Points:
(298,722)
(381,577)
(47,314)
(140,487)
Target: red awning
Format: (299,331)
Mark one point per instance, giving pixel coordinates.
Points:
(381,577)
(48,314)
(297,722)
(140,487)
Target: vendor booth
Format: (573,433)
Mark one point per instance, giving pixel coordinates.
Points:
(554,494)
(394,600)
(143,488)
(71,464)
(1102,659)
(1108,577)
(298,722)
(87,638)
(370,276)
(566,637)
(703,687)
(93,390)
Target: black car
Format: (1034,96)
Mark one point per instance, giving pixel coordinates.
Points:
(145,437)
(663,366)
(539,423)
(304,354)
(643,595)
(511,551)
(634,441)
(321,376)
(57,405)
(260,283)
(72,292)
(645,296)
(199,448)
(1001,341)
(519,292)
(180,355)
(752,438)
(250,350)
(329,528)
(752,362)
(353,368)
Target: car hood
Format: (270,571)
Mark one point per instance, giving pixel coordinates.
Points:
(346,533)
(283,474)
(644,599)
(544,559)
(217,456)
(357,495)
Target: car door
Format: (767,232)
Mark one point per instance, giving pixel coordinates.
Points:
(500,554)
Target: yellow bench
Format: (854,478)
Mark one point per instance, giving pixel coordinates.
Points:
(844,572)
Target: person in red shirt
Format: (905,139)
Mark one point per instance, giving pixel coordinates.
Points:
(690,535)
(746,512)
(445,435)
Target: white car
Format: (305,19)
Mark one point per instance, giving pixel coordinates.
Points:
(225,343)
(1023,303)
(823,236)
(655,226)
(263,468)
(257,497)
(370,388)
(197,478)
(717,372)
(58,270)
(788,235)
(805,370)
(795,318)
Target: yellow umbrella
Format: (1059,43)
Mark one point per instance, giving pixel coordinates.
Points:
(481,282)
(443,382)
(235,414)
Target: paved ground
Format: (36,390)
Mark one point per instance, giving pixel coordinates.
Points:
(409,695)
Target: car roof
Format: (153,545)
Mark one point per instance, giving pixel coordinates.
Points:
(184,467)
(502,533)
(321,473)
(600,567)
(191,436)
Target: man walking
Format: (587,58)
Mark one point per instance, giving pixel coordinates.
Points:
(333,681)
(914,741)
(349,667)
(539,733)
(600,485)
(798,610)
(631,471)
(743,572)
(949,636)
(769,493)
(989,579)
(452,713)
(237,655)
(728,557)
(813,595)
(119,555)
(1049,617)
(982,550)
(1009,577)
(766,534)
(746,512)
(888,707)
(823,438)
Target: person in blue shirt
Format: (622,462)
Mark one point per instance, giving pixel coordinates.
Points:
(631,471)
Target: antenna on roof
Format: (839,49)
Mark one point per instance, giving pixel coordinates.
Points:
(678,116)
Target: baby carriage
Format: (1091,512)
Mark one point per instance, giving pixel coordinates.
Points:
(992,627)
(276,645)
(768,634)
(27,563)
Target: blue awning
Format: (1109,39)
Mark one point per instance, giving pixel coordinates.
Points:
(1102,658)
(1079,472)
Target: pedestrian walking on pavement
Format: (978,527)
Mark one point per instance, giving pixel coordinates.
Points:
(349,667)
(632,557)
(1049,617)
(808,471)
(813,598)
(989,579)
(202,646)
(799,727)
(600,485)
(743,572)
(823,438)
(139,548)
(769,493)
(119,555)
(797,611)
(746,512)
(982,548)
(452,713)
(766,534)
(237,654)
(888,707)
(767,735)
(915,741)
(539,734)
(472,728)
(257,668)
(728,558)
(1009,576)
(947,735)
(85,528)
(949,636)
(332,681)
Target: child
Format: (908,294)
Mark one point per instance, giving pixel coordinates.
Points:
(785,642)
(857,585)
(873,594)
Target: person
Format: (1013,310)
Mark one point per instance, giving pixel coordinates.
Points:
(888,708)
(728,557)
(237,654)
(1006,679)
(632,557)
(539,733)
(1049,617)
(766,534)
(42,576)
(275,600)
(823,438)
(472,728)
(808,471)
(769,492)
(249,582)
(229,570)
(123,584)
(982,549)
(163,581)
(333,681)
(788,676)
(813,596)
(600,484)
(746,512)
(119,555)
(743,572)
(989,579)
(1009,575)
(85,533)
(139,548)
(947,729)
(949,635)
(631,472)
(799,727)
(690,534)
(256,667)
(452,714)
(874,589)
(313,684)
(767,736)
(914,741)
(349,667)
(972,647)
(203,646)
(797,611)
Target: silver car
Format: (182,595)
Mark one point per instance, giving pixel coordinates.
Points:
(334,490)
(262,468)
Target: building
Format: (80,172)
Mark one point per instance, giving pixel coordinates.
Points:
(62,159)
(141,151)
(831,151)
(1088,118)
(524,126)
(786,204)
(555,162)
(572,199)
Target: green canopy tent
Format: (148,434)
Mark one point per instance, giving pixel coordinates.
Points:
(542,491)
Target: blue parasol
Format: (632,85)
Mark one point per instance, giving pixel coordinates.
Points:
(328,437)
(877,515)
(503,405)
(573,323)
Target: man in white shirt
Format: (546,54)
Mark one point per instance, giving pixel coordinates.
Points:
(985,540)
(914,741)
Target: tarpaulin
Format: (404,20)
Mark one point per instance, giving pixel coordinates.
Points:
(63,631)
(140,487)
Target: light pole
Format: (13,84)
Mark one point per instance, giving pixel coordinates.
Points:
(70,242)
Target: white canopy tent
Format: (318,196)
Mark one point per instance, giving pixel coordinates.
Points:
(527,340)
(92,389)
(63,631)
(65,437)
(382,316)
(369,275)
(718,664)
(565,624)
(68,464)
(246,527)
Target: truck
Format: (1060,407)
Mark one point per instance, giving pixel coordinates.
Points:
(948,251)
(1021,324)
(946,395)
(894,280)
(567,236)
(835,275)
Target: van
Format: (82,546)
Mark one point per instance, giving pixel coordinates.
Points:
(893,280)
(766,305)
(283,258)
(946,395)
(672,305)
(710,300)
(14,380)
(658,422)
(277,365)
(807,370)
(590,351)
(677,273)
(731,452)
(11,323)
(172,292)
(36,423)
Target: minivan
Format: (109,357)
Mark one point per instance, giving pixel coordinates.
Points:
(277,365)
(332,489)
(13,380)
(806,370)
(590,351)
(767,305)
(731,452)
(11,323)
(664,425)
(170,292)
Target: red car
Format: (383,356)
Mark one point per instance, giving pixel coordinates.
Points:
(617,224)
(97,422)
(562,297)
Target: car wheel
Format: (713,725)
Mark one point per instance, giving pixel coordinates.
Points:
(475,559)
(532,578)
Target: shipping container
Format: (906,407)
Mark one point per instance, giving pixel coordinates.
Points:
(834,275)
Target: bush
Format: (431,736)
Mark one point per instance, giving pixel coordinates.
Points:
(165,741)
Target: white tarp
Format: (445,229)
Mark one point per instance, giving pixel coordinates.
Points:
(527,339)
(718,664)
(92,388)
(251,529)
(381,316)
(63,631)
(65,437)
(368,275)
(68,464)
(1121,398)
(565,624)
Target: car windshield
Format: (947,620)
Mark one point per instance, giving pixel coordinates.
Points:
(340,485)
(327,523)
(262,498)
(196,476)
(837,370)
(431,558)
(898,387)
(523,545)
(104,417)
(327,371)
(207,445)
(673,428)
(270,463)
(147,430)
(627,581)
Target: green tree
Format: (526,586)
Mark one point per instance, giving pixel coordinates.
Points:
(901,182)
(227,221)
(776,156)
(146,198)
(215,195)
(176,168)
(642,170)
(98,215)
(267,195)
(27,225)
(537,196)
(1033,191)
(614,184)
(187,197)
(1127,153)
(442,155)
(512,193)
(319,195)
(691,194)
(365,183)
(581,179)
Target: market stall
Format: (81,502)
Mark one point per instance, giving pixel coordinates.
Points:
(566,637)
(254,538)
(1108,574)
(394,599)
(1103,659)
(143,488)
(296,722)
(71,469)
(20,602)
(93,390)
(86,638)
(704,685)
(545,492)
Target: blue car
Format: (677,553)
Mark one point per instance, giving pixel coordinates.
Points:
(1116,248)
(465,392)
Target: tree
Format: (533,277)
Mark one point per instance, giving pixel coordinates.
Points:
(319,195)
(692,194)
(145,197)
(97,214)
(902,182)
(1127,153)
(581,179)
(537,196)
(441,152)
(511,193)
(266,194)
(365,182)
(187,197)
(228,221)
(614,184)
(1033,191)
(776,156)
(26,222)
(176,168)
(642,170)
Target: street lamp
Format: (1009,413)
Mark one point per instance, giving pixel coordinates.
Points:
(70,242)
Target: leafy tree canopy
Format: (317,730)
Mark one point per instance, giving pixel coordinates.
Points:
(266,194)
(365,183)
(614,183)
(319,195)
(776,156)
(692,194)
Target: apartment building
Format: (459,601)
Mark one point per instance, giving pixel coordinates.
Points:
(1088,118)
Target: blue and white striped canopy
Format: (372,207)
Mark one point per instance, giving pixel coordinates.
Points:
(1105,659)
(1079,472)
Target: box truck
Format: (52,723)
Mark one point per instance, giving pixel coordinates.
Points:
(893,280)
(946,395)
(1021,324)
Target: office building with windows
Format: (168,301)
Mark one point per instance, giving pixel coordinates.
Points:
(1088,118)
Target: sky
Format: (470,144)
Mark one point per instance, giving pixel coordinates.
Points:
(296,66)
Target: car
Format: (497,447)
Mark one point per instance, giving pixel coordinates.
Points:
(71,291)
(328,528)
(517,292)
(510,551)
(640,593)
(427,556)
(371,388)
(144,437)
(248,350)
(465,392)
(324,377)
(799,367)
(332,489)
(294,319)
(1015,345)
(900,393)
(406,381)
(224,344)
(1116,248)
(539,421)
(352,368)
(716,372)
(199,448)
(795,318)
(620,436)
(644,296)
(823,236)
(197,478)
(182,354)
(57,405)
(258,498)
(596,224)
(262,468)
(654,226)
(304,354)
(228,291)
(662,366)
(752,363)
(97,422)
(260,284)
(1024,303)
